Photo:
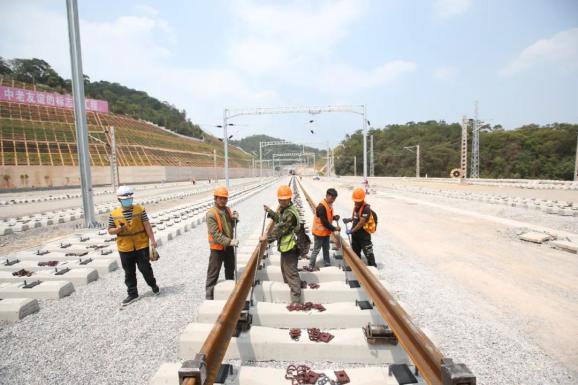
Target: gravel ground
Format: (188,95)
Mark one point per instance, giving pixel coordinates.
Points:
(35,237)
(521,214)
(466,329)
(86,338)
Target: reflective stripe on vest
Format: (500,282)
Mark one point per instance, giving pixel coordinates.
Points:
(212,244)
(318,228)
(134,236)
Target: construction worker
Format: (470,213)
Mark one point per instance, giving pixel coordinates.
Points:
(323,227)
(360,232)
(220,222)
(286,223)
(133,231)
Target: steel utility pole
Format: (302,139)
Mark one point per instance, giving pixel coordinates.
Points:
(226,147)
(371,162)
(464,152)
(355,165)
(475,166)
(576,165)
(417,156)
(364,143)
(417,161)
(80,114)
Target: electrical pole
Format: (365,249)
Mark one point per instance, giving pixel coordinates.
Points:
(364,143)
(355,165)
(80,114)
(576,165)
(417,161)
(260,159)
(475,166)
(226,145)
(464,152)
(371,164)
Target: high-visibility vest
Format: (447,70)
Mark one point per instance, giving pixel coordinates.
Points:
(371,225)
(288,241)
(318,228)
(212,244)
(134,236)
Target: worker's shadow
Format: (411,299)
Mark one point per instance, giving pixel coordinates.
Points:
(172,290)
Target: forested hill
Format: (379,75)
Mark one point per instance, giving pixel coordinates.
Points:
(251,145)
(121,100)
(532,151)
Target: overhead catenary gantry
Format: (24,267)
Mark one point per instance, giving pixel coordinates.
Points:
(297,155)
(232,113)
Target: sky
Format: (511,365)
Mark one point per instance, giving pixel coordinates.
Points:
(405,60)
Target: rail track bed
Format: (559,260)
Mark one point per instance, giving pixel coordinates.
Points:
(348,329)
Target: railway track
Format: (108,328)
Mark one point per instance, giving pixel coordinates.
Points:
(349,328)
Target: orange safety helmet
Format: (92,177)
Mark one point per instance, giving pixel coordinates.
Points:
(221,192)
(358,195)
(284,192)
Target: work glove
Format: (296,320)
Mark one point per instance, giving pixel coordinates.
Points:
(336,217)
(349,232)
(346,220)
(234,243)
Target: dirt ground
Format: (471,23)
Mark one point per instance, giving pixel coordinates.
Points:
(562,195)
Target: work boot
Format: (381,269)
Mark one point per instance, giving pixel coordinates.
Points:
(130,299)
(156,290)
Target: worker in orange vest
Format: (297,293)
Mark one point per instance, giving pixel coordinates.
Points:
(364,223)
(323,227)
(220,223)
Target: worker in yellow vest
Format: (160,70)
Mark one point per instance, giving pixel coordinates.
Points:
(220,223)
(133,231)
(323,227)
(287,222)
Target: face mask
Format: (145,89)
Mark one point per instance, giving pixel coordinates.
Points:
(126,202)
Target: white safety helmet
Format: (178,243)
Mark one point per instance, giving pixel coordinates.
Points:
(124,191)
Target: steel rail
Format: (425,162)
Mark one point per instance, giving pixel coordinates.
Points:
(217,342)
(423,353)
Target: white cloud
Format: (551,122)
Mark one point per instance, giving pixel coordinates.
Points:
(342,78)
(445,73)
(277,37)
(449,8)
(132,50)
(559,51)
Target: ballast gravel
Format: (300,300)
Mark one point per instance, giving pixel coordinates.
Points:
(87,339)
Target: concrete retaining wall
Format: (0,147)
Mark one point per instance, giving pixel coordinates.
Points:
(14,177)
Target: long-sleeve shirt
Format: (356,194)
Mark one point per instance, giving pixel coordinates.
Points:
(224,237)
(285,223)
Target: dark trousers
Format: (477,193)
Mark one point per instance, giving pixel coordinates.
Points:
(359,244)
(290,273)
(216,259)
(318,243)
(130,260)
